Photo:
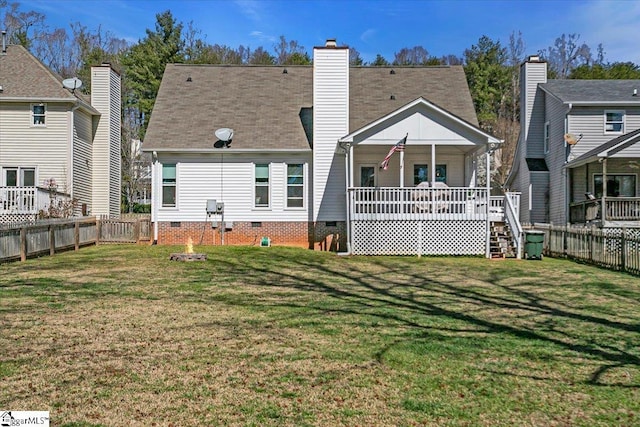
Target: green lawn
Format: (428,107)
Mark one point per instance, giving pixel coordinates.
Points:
(120,335)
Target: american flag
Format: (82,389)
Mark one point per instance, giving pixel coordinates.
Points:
(399,146)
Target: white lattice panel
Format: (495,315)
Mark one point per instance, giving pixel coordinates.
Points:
(418,237)
(16,218)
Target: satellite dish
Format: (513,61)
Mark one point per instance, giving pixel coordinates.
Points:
(571,139)
(224,134)
(72,84)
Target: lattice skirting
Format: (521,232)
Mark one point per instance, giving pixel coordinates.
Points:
(418,237)
(18,218)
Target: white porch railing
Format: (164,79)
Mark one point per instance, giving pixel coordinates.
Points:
(25,200)
(511,217)
(402,204)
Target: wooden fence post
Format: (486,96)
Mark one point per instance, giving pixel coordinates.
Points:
(23,243)
(52,239)
(623,249)
(98,229)
(76,235)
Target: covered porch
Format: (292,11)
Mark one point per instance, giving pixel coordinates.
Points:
(604,184)
(24,203)
(418,182)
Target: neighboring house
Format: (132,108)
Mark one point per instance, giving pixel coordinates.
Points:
(56,145)
(303,165)
(578,154)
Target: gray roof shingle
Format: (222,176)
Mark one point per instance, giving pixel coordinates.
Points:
(594,91)
(270,109)
(22,75)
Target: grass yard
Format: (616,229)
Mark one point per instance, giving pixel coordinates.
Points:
(120,335)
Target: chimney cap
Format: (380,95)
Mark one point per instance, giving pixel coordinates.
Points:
(331,43)
(534,58)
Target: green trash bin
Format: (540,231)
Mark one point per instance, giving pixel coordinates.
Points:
(533,240)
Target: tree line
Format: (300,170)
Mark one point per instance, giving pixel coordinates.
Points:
(491,68)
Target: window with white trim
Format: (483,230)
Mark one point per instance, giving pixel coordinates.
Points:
(295,185)
(546,138)
(614,121)
(169,184)
(19,177)
(38,114)
(261,186)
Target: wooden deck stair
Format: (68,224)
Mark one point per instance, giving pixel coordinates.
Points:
(501,243)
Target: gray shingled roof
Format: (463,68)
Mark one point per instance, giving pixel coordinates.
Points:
(22,75)
(269,109)
(594,91)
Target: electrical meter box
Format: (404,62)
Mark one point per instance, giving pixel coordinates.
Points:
(214,207)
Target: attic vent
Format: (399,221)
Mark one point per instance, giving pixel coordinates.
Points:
(285,71)
(189,79)
(392,97)
(392,72)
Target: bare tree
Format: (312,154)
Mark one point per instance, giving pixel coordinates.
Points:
(566,54)
(416,55)
(286,49)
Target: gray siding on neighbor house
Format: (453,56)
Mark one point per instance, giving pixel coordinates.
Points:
(589,121)
(556,159)
(539,197)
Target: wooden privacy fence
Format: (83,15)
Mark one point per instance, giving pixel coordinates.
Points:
(615,248)
(21,241)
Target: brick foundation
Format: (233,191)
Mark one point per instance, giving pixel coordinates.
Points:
(300,234)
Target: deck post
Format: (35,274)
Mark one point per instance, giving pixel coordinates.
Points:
(488,220)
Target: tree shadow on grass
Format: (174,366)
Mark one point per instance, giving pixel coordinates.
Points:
(397,291)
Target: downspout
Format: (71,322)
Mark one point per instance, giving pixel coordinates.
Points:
(348,158)
(71,149)
(565,171)
(154,201)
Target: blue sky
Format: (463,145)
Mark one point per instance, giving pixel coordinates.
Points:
(372,27)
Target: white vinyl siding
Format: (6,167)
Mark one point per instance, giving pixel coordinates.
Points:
(46,147)
(232,182)
(330,122)
(105,97)
(82,161)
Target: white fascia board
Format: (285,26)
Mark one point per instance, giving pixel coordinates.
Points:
(604,103)
(31,99)
(225,150)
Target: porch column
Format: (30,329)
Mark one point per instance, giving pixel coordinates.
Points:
(604,191)
(488,225)
(433,164)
